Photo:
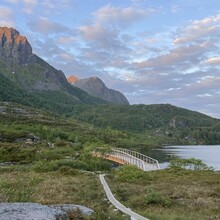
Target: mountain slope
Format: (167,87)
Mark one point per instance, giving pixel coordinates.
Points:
(96,87)
(158,121)
(140,118)
(32,74)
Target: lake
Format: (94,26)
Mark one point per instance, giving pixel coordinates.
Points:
(209,154)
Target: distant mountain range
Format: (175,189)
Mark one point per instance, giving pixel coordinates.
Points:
(94,86)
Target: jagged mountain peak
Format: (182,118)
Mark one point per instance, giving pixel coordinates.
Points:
(72,79)
(12,35)
(14,47)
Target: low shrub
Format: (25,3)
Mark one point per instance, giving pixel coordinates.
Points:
(130,173)
(156,198)
(45,166)
(68,171)
(191,163)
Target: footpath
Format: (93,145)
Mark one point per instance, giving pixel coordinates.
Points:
(116,203)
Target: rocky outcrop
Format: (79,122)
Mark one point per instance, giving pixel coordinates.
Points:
(72,79)
(34,211)
(14,47)
(25,68)
(95,87)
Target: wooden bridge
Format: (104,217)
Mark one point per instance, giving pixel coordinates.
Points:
(124,156)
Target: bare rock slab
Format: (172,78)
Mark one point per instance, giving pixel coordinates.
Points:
(35,211)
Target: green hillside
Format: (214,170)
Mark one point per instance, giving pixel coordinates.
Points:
(19,124)
(159,119)
(59,101)
(163,124)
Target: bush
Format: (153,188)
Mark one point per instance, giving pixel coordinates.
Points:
(45,166)
(191,163)
(155,198)
(130,173)
(68,171)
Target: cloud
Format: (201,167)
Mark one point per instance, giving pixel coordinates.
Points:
(29,5)
(189,54)
(56,4)
(175,9)
(46,26)
(213,61)
(199,30)
(6,17)
(66,40)
(107,47)
(121,16)
(101,36)
(12,1)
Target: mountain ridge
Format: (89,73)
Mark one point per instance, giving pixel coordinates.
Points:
(94,86)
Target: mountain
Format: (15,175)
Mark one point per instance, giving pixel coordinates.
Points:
(158,120)
(14,47)
(96,87)
(72,79)
(141,118)
(27,72)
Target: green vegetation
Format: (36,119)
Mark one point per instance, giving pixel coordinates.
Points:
(53,159)
(16,82)
(191,163)
(164,122)
(57,187)
(169,194)
(54,164)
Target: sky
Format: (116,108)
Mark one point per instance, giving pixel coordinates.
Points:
(153,51)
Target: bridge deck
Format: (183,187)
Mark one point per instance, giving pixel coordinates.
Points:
(124,156)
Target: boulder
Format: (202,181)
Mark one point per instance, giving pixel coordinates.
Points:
(35,211)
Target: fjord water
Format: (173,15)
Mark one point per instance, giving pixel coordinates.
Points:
(209,154)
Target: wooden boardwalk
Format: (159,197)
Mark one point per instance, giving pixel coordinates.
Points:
(116,203)
(124,156)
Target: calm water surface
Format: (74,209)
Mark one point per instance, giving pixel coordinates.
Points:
(209,154)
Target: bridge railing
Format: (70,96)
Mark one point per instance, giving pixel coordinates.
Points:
(137,155)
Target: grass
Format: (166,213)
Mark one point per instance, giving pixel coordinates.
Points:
(65,186)
(168,194)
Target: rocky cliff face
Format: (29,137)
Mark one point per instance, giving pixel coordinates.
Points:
(14,47)
(72,79)
(95,87)
(20,65)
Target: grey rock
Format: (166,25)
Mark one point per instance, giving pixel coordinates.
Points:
(2,109)
(70,207)
(25,211)
(95,87)
(14,47)
(2,164)
(35,211)
(19,110)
